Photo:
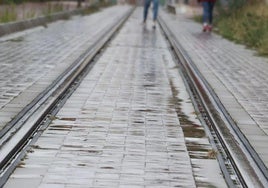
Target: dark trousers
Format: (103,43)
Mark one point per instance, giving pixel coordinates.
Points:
(147,4)
(208,12)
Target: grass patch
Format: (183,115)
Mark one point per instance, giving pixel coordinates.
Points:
(197,18)
(8,15)
(18,12)
(96,7)
(93,8)
(246,25)
(52,8)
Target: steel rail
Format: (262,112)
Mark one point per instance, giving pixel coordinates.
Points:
(14,138)
(248,167)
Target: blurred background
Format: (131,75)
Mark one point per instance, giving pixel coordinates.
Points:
(242,21)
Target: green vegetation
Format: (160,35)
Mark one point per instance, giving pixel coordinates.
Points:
(9,12)
(8,15)
(245,23)
(11,1)
(52,8)
(29,15)
(96,7)
(13,11)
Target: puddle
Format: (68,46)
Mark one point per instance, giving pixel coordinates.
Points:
(197,143)
(18,39)
(73,146)
(81,149)
(147,110)
(192,130)
(198,146)
(68,119)
(81,165)
(60,127)
(148,85)
(107,167)
(138,122)
(194,133)
(137,133)
(21,165)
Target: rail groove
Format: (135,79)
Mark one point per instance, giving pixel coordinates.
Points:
(242,168)
(15,138)
(26,127)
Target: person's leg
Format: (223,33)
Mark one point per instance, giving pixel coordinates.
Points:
(210,15)
(155,12)
(205,11)
(205,15)
(145,10)
(155,9)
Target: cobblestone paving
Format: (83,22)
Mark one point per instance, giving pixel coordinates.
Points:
(120,128)
(237,75)
(30,61)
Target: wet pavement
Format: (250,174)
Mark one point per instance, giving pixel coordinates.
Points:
(125,125)
(237,75)
(32,59)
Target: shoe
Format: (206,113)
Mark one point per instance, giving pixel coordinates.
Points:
(154,25)
(205,27)
(209,28)
(144,22)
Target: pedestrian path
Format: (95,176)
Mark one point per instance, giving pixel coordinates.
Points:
(121,128)
(238,76)
(31,60)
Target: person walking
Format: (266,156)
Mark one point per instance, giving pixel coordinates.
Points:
(208,6)
(147,4)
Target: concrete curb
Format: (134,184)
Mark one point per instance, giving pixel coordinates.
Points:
(8,28)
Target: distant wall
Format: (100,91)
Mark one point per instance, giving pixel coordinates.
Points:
(12,27)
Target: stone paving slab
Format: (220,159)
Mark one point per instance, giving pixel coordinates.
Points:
(31,60)
(120,128)
(238,76)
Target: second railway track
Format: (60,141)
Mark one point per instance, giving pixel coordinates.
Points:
(240,164)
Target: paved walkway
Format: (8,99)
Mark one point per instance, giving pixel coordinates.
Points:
(121,127)
(238,76)
(32,59)
(118,151)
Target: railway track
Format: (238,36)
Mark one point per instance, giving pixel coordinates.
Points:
(240,165)
(26,126)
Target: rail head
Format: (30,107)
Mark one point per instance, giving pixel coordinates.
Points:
(16,136)
(248,165)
